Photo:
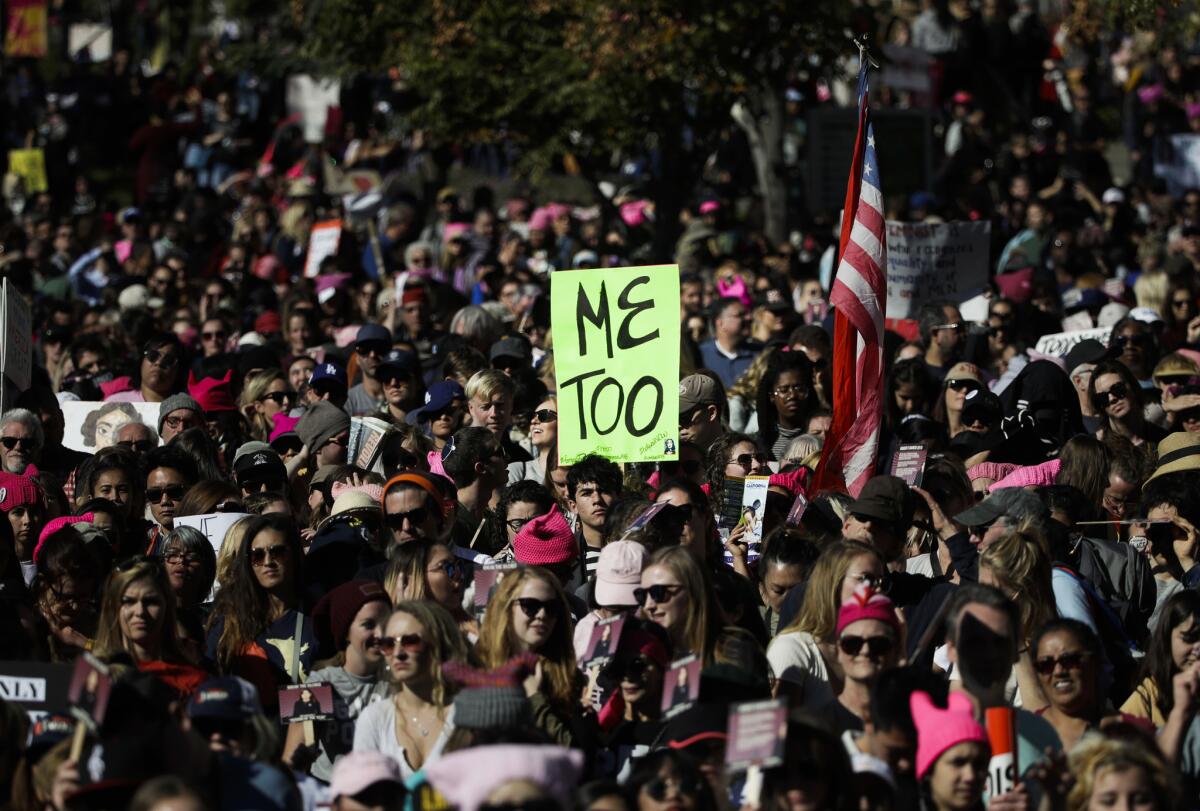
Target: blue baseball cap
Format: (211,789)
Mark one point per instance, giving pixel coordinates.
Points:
(328,371)
(400,360)
(373,333)
(47,731)
(226,697)
(439,396)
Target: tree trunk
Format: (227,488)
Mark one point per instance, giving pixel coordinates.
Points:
(670,190)
(760,116)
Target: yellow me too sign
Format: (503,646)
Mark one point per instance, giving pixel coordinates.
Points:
(616,360)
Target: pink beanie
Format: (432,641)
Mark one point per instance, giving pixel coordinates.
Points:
(1035,476)
(866,603)
(938,729)
(17,491)
(58,523)
(283,425)
(545,540)
(990,470)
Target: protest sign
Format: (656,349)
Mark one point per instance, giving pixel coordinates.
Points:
(39,688)
(757,732)
(311,98)
(909,463)
(681,686)
(213,526)
(1060,343)
(16,362)
(616,357)
(934,261)
(26,32)
(90,42)
(322,242)
(911,70)
(30,166)
(91,425)
(1177,161)
(602,644)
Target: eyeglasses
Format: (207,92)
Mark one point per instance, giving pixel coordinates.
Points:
(176,556)
(745,460)
(453,568)
(659,787)
(278,551)
(178,422)
(11,442)
(545,415)
(660,594)
(1072,660)
(794,390)
(1118,391)
(212,336)
(279,397)
(957,326)
(1118,506)
(517,524)
(138,445)
(868,645)
(167,360)
(414,517)
(410,643)
(172,491)
(962,385)
(531,607)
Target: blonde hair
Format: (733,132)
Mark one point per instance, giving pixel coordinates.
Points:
(1096,754)
(109,639)
(230,544)
(1151,290)
(486,384)
(498,639)
(823,594)
(443,641)
(746,386)
(705,619)
(1020,562)
(254,390)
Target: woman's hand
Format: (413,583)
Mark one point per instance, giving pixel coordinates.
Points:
(66,783)
(1015,800)
(533,682)
(942,525)
(1185,687)
(738,549)
(1193,330)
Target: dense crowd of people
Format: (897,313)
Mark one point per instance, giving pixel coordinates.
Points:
(457,620)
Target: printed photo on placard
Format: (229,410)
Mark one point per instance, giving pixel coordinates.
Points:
(88,692)
(487,580)
(757,733)
(681,686)
(909,463)
(91,426)
(602,644)
(306,702)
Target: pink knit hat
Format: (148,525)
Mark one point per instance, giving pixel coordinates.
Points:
(17,491)
(545,541)
(1034,476)
(211,393)
(58,523)
(867,603)
(283,425)
(938,729)
(990,470)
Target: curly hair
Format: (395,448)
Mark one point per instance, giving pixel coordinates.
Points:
(718,457)
(1096,754)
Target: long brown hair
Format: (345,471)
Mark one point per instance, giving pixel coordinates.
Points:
(443,640)
(705,620)
(498,640)
(109,639)
(1084,467)
(823,594)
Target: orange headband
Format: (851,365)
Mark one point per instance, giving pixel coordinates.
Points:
(419,481)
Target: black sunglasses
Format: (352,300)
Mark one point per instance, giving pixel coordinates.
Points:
(531,607)
(962,385)
(659,593)
(278,551)
(11,442)
(1140,340)
(394,376)
(1119,391)
(172,491)
(658,787)
(415,517)
(167,360)
(1073,660)
(874,645)
(632,669)
(546,415)
(745,459)
(280,397)
(138,445)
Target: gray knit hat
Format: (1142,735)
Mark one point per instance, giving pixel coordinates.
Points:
(174,403)
(322,421)
(491,699)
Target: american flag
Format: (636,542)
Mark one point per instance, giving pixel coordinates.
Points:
(859,298)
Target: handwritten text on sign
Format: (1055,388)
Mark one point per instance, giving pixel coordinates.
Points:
(616,358)
(933,261)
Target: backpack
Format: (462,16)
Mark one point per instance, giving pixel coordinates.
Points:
(1120,651)
(1121,575)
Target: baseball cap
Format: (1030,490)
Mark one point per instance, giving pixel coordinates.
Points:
(619,572)
(965,371)
(885,498)
(1147,315)
(355,772)
(774,301)
(227,697)
(373,333)
(510,347)
(1089,351)
(259,465)
(400,360)
(697,390)
(1016,503)
(328,372)
(1112,195)
(46,732)
(439,396)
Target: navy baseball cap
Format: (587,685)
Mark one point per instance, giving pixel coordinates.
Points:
(226,697)
(373,333)
(47,731)
(400,360)
(439,396)
(328,372)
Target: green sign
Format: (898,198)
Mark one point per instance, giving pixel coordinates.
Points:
(616,359)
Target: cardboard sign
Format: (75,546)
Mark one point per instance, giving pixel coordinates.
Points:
(26,32)
(90,42)
(757,733)
(323,242)
(909,463)
(487,579)
(16,362)
(30,166)
(40,688)
(929,262)
(1060,343)
(92,425)
(213,526)
(306,702)
(88,692)
(602,645)
(616,357)
(310,98)
(681,686)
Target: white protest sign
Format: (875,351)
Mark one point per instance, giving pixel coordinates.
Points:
(1177,161)
(932,261)
(322,242)
(213,526)
(90,426)
(311,99)
(16,363)
(1060,343)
